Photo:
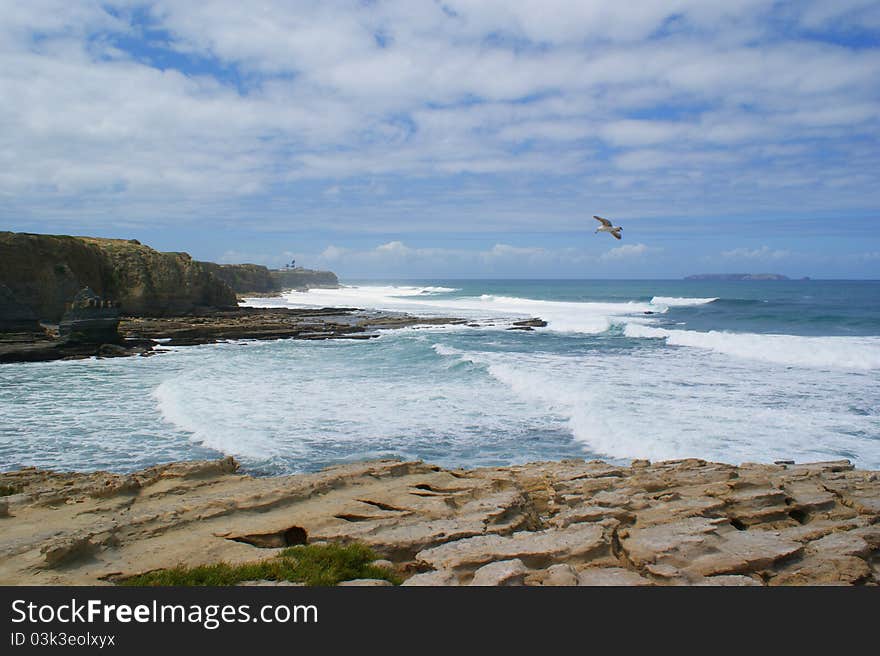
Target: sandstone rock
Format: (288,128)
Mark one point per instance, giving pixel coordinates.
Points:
(870,534)
(265,583)
(663,511)
(502,572)
(4,508)
(667,522)
(372,583)
(706,547)
(441,577)
(742,551)
(809,496)
(576,543)
(757,505)
(729,580)
(841,544)
(384,564)
(823,570)
(65,550)
(818,528)
(561,574)
(664,571)
(610,576)
(401,540)
(589,513)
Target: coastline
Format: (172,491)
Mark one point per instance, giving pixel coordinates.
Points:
(571,522)
(141,335)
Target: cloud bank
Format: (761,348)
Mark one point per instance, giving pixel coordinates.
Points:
(511,112)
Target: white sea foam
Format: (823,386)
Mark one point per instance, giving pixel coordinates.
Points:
(438,290)
(653,403)
(561,316)
(848,353)
(473,399)
(675,301)
(308,402)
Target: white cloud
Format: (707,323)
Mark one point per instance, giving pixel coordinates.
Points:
(625,251)
(762,253)
(420,95)
(333,253)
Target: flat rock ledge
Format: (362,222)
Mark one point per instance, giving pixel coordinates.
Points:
(568,523)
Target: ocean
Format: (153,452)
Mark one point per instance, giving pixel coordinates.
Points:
(728,371)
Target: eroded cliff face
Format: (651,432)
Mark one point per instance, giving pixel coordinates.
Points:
(243,278)
(304,279)
(257,279)
(45,272)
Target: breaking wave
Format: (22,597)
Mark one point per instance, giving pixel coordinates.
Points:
(848,353)
(675,301)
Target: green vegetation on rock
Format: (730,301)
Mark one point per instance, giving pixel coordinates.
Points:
(315,565)
(8,490)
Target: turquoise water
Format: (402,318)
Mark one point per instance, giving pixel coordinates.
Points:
(731,371)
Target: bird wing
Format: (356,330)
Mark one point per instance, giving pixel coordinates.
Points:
(616,233)
(604,222)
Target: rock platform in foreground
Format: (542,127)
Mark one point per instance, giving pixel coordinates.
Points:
(686,522)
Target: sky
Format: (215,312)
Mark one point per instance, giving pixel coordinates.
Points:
(453,138)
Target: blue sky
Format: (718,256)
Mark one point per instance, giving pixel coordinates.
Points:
(454,138)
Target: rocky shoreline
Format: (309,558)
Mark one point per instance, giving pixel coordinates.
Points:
(146,335)
(683,522)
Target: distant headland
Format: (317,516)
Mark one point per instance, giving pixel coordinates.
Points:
(739,276)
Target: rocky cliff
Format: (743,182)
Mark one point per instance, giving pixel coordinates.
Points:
(44,272)
(243,278)
(303,279)
(257,279)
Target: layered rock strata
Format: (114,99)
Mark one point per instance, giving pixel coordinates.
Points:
(685,522)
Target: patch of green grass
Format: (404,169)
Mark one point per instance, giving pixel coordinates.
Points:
(319,565)
(8,490)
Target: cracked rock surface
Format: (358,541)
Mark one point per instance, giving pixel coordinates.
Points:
(567,523)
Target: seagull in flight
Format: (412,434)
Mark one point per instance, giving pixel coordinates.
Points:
(608,227)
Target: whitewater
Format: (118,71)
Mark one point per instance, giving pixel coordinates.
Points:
(623,369)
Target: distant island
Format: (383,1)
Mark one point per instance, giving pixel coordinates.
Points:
(739,276)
